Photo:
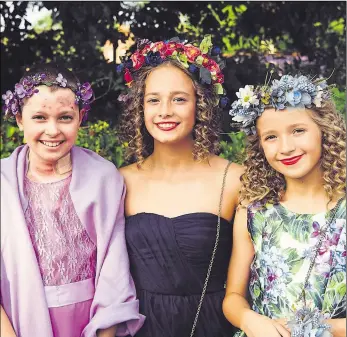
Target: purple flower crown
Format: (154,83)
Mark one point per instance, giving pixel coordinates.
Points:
(27,87)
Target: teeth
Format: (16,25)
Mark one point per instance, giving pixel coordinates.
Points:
(51,144)
(167,125)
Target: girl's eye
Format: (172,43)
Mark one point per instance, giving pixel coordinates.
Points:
(153,100)
(270,137)
(66,118)
(38,117)
(180,99)
(299,130)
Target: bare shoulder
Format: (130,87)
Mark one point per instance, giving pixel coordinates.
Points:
(234,171)
(232,181)
(129,172)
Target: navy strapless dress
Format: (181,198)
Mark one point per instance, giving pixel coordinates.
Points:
(169,258)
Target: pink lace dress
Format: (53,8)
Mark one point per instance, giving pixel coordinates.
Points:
(65,254)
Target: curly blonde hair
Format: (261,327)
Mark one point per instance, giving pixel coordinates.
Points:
(132,129)
(261,183)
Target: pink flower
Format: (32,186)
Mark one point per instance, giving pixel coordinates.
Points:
(138,60)
(127,76)
(191,52)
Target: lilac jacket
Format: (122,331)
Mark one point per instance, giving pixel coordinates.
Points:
(97,191)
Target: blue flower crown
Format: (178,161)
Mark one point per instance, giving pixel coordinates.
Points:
(289,91)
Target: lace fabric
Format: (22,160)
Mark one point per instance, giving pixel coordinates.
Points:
(64,251)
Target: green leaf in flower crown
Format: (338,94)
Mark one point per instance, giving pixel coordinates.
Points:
(199,60)
(206,44)
(183,59)
(218,88)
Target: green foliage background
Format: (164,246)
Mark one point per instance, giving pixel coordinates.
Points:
(255,37)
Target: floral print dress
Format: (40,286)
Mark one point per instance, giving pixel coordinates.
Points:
(283,243)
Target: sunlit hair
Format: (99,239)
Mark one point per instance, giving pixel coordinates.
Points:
(262,183)
(132,128)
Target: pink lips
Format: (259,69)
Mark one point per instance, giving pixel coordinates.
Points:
(167,126)
(292,160)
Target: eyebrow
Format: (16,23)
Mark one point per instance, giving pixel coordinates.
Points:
(60,113)
(171,93)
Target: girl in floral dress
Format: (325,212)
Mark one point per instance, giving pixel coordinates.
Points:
(290,241)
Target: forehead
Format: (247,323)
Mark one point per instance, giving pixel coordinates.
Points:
(168,78)
(276,119)
(48,97)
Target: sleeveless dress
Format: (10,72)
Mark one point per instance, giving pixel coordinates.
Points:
(64,252)
(169,259)
(283,243)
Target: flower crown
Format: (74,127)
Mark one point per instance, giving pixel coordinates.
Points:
(289,91)
(27,87)
(204,60)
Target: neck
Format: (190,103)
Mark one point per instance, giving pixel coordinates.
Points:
(172,156)
(41,170)
(307,188)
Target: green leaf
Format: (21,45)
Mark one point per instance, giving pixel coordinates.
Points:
(10,131)
(218,88)
(206,44)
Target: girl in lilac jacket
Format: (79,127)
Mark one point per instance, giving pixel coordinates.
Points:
(64,263)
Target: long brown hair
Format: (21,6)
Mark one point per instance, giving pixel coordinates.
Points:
(132,128)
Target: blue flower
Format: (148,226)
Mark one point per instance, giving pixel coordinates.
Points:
(192,68)
(120,68)
(153,59)
(223,102)
(215,51)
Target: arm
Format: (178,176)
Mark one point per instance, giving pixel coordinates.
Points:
(235,306)
(338,326)
(6,329)
(110,332)
(114,304)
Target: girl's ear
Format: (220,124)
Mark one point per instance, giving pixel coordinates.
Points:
(82,113)
(19,121)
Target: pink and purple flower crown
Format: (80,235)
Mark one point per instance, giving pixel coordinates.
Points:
(289,91)
(28,86)
(203,61)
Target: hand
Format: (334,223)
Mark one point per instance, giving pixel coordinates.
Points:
(255,325)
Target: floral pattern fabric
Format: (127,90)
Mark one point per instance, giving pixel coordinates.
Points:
(284,242)
(63,249)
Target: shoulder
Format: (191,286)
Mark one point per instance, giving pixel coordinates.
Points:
(130,172)
(233,175)
(89,164)
(91,159)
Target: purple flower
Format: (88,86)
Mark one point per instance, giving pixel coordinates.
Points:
(7,97)
(85,91)
(14,106)
(19,90)
(61,80)
(123,98)
(27,83)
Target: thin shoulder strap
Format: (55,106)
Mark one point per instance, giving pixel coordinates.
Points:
(213,252)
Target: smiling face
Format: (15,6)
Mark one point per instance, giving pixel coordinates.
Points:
(291,140)
(50,121)
(169,105)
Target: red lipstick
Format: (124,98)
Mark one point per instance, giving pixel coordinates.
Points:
(167,126)
(292,160)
